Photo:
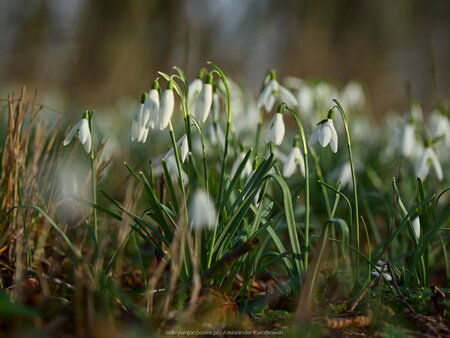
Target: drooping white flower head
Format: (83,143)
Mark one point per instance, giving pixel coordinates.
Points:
(294,159)
(276,130)
(381,268)
(151,107)
(84,133)
(195,87)
(202,211)
(204,100)
(353,95)
(440,126)
(166,106)
(325,133)
(182,143)
(138,130)
(272,91)
(247,168)
(409,141)
(426,160)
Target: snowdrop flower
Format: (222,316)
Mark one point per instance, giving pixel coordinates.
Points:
(204,100)
(353,95)
(345,175)
(416,226)
(84,133)
(427,159)
(166,106)
(151,107)
(247,168)
(380,268)
(195,87)
(325,133)
(409,141)
(202,211)
(440,126)
(305,97)
(294,159)
(138,130)
(275,133)
(274,90)
(182,143)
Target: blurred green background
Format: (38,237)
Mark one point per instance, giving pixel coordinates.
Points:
(95,52)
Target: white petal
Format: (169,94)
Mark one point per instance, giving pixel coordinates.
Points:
(166,108)
(269,103)
(436,164)
(408,140)
(423,166)
(416,226)
(289,165)
(264,95)
(202,211)
(71,133)
(144,135)
(334,138)
(184,148)
(204,102)
(88,143)
(83,132)
(287,97)
(194,89)
(325,135)
(315,136)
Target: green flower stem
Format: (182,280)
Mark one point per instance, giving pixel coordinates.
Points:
(94,182)
(224,158)
(352,165)
(307,201)
(319,174)
(258,133)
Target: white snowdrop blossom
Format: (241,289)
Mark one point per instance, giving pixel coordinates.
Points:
(275,133)
(294,159)
(183,144)
(272,91)
(409,141)
(440,127)
(204,101)
(325,133)
(416,226)
(381,268)
(151,108)
(426,160)
(139,131)
(202,211)
(166,107)
(84,133)
(345,175)
(247,168)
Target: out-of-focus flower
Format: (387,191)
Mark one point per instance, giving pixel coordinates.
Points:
(204,100)
(166,107)
(202,211)
(195,87)
(381,268)
(294,160)
(275,133)
(353,95)
(84,133)
(182,143)
(272,91)
(440,127)
(426,160)
(325,133)
(416,226)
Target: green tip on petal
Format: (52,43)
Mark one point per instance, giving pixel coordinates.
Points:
(272,74)
(209,78)
(155,85)
(143,97)
(428,142)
